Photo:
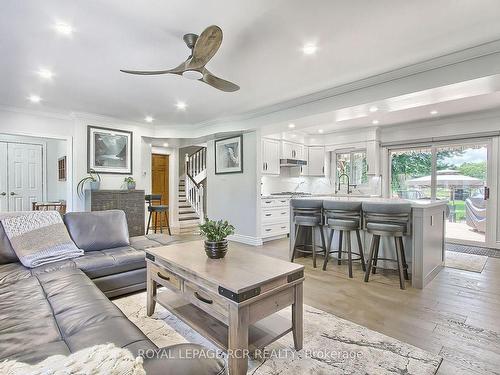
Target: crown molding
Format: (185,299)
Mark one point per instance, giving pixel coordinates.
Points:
(49,114)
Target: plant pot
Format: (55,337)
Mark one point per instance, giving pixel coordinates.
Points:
(131,185)
(216,250)
(94,185)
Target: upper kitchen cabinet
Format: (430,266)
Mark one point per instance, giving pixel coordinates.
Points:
(291,150)
(270,156)
(316,161)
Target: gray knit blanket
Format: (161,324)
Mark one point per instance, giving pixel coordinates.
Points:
(39,237)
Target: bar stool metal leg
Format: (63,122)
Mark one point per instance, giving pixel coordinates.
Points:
(405,265)
(349,251)
(313,246)
(373,245)
(360,247)
(339,261)
(294,248)
(399,257)
(375,258)
(168,224)
(327,252)
(149,222)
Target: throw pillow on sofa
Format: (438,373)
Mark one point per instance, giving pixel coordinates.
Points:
(39,237)
(99,359)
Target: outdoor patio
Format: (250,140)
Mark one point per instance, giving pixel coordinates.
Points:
(461,231)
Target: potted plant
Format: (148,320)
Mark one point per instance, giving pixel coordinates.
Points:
(130,182)
(215,233)
(94,179)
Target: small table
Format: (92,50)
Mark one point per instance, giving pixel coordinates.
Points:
(231,301)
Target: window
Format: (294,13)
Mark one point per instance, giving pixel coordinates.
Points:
(352,164)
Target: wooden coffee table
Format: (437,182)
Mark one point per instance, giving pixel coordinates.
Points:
(230,301)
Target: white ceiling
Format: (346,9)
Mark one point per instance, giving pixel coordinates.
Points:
(261,50)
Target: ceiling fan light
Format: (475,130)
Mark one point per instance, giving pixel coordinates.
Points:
(192,74)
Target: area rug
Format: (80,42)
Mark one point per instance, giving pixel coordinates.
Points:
(476,250)
(331,345)
(466,262)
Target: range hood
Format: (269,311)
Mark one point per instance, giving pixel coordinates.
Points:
(292,163)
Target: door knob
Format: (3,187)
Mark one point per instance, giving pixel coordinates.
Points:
(3,193)
(12,193)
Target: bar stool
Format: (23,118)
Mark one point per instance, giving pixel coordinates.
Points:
(387,220)
(344,217)
(157,209)
(308,214)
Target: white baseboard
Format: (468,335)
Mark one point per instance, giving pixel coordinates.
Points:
(248,240)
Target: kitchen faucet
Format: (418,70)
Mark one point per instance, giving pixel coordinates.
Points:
(348,183)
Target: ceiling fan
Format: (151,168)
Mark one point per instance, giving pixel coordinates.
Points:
(203,48)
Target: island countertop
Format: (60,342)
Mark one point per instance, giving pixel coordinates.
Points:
(424,245)
(415,203)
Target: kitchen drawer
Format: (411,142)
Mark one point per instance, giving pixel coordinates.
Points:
(164,277)
(209,302)
(275,215)
(269,230)
(275,202)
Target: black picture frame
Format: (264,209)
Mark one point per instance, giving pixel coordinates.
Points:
(224,141)
(91,164)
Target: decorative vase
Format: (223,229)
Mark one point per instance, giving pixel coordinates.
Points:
(94,185)
(131,185)
(216,249)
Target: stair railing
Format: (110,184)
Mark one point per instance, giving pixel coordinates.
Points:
(196,172)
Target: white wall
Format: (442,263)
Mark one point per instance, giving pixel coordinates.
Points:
(74,129)
(233,197)
(56,190)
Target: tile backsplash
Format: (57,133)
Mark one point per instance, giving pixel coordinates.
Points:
(313,185)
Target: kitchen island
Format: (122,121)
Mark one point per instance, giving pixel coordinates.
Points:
(424,246)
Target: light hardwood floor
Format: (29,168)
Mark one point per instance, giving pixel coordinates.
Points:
(457,315)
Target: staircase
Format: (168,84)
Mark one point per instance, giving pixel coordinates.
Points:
(191,202)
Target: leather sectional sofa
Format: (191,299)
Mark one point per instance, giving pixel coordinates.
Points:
(63,307)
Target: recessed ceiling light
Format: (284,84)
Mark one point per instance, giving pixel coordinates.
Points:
(375,122)
(373,109)
(320,131)
(309,49)
(291,126)
(149,119)
(45,73)
(34,99)
(165,145)
(63,28)
(181,105)
(434,112)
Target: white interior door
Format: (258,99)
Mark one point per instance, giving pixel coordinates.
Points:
(4,202)
(24,175)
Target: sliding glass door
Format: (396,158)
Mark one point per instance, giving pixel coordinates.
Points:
(457,172)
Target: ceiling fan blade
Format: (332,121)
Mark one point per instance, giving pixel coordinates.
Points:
(177,70)
(217,82)
(205,47)
(145,73)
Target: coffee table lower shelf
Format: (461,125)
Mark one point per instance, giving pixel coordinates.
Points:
(260,334)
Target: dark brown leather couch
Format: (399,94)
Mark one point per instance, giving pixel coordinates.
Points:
(63,307)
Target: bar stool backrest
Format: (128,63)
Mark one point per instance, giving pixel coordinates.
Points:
(307,207)
(344,210)
(152,198)
(388,213)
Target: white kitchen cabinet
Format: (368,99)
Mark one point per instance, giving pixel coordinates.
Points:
(291,150)
(275,217)
(270,156)
(316,161)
